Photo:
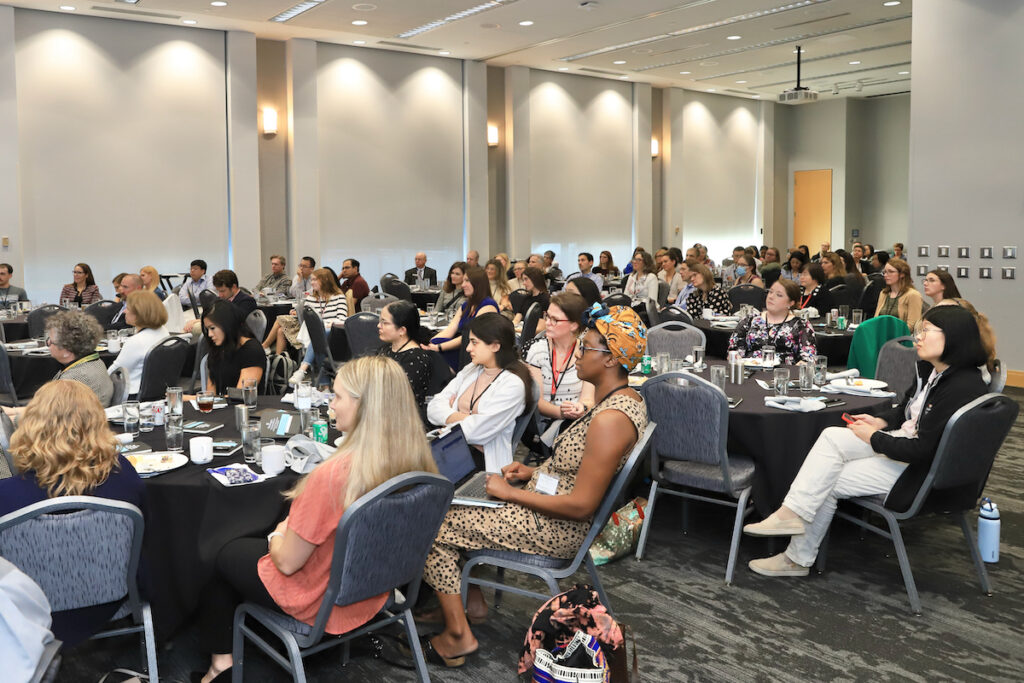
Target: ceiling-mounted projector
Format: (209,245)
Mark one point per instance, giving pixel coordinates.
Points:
(799,94)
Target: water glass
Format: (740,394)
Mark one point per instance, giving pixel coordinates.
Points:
(698,357)
(146,420)
(806,377)
(174,400)
(431,308)
(304,395)
(820,370)
(249,390)
(677,364)
(857,316)
(251,442)
(664,361)
(844,311)
(130,417)
(781,377)
(718,376)
(174,432)
(768,355)
(306,422)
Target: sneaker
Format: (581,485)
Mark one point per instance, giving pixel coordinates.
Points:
(777,565)
(773,526)
(267,351)
(297,376)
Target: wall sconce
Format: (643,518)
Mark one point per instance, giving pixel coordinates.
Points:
(654,147)
(492,136)
(269,121)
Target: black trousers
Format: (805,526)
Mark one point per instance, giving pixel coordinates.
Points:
(235,582)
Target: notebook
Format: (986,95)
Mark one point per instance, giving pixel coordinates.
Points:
(455,463)
(279,424)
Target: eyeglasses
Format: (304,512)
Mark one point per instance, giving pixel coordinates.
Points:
(548,318)
(382,321)
(78,272)
(922,331)
(584,349)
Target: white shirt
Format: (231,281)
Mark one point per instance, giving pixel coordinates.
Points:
(646,288)
(491,427)
(24,622)
(133,354)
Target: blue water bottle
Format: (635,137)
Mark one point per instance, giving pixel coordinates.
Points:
(988,531)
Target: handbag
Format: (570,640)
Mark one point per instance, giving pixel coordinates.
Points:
(580,661)
(620,535)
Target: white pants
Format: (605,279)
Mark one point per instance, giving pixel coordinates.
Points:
(839,465)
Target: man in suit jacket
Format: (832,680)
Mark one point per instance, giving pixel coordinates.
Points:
(226,284)
(421,272)
(129,283)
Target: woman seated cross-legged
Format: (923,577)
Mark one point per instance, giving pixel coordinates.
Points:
(587,456)
(289,570)
(792,337)
(888,455)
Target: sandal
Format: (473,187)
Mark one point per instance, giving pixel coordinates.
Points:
(431,655)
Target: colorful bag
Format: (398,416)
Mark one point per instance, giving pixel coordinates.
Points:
(620,535)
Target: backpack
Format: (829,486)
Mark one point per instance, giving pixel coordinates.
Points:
(282,367)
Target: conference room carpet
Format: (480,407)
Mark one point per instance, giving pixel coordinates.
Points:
(851,623)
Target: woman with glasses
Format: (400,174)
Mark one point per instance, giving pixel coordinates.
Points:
(552,513)
(72,337)
(939,285)
(398,327)
(706,294)
(642,283)
(888,455)
(82,290)
(899,298)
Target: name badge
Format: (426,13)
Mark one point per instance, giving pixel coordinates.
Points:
(547,484)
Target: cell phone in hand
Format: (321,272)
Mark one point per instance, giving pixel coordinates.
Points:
(848,419)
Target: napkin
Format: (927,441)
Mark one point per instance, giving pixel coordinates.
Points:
(855,391)
(794,403)
(237,475)
(20,346)
(853,372)
(764,385)
(812,312)
(317,398)
(115,412)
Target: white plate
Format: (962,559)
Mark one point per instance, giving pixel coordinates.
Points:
(758,363)
(860,383)
(148,464)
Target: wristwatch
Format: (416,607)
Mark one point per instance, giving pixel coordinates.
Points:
(272,534)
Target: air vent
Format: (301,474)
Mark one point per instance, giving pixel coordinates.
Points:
(135,12)
(601,71)
(407,46)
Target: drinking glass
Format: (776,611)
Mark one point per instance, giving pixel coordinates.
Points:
(820,370)
(844,311)
(204,399)
(663,362)
(677,364)
(130,417)
(174,402)
(806,377)
(857,316)
(174,432)
(249,387)
(306,422)
(781,376)
(698,357)
(768,355)
(146,420)
(718,376)
(304,395)
(431,311)
(251,442)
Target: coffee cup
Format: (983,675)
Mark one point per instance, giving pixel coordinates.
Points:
(273,459)
(200,449)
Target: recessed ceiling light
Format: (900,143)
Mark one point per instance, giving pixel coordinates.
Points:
(364,7)
(67,8)
(619,61)
(855,62)
(218,3)
(563,68)
(733,37)
(801,51)
(685,73)
(741,81)
(890,3)
(444,52)
(190,22)
(622,78)
(757,97)
(903,73)
(711,90)
(360,22)
(359,42)
(526,23)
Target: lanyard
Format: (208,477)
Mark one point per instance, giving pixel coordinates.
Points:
(474,397)
(558,375)
(83,359)
(807,299)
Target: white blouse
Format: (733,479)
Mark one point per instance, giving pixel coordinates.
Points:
(133,354)
(645,288)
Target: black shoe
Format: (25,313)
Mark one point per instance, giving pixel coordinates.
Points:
(223,677)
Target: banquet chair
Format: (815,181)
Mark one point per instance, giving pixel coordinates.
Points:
(257,322)
(7,468)
(663,290)
(440,373)
(530,321)
(869,297)
(324,364)
(675,338)
(58,551)
(689,452)
(194,304)
(897,365)
(619,299)
(398,289)
(870,337)
(517,297)
(385,279)
(747,294)
(551,569)
(675,314)
(104,311)
(161,368)
(525,418)
(968,447)
(373,303)
(653,316)
(202,348)
(8,394)
(380,546)
(37,319)
(998,381)
(119,377)
(843,295)
(337,342)
(207,298)
(363,338)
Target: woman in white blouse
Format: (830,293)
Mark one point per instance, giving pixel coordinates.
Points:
(669,262)
(487,395)
(147,314)
(642,282)
(329,303)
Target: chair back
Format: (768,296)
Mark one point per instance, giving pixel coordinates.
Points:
(6,380)
(104,311)
(6,430)
(966,451)
(747,294)
(694,419)
(897,364)
(663,290)
(998,381)
(675,314)
(383,539)
(675,338)
(162,368)
(397,288)
(257,322)
(337,342)
(202,349)
(526,417)
(6,464)
(37,319)
(363,338)
(869,297)
(619,299)
(385,279)
(531,320)
(81,550)
(120,380)
(440,373)
(870,337)
(516,298)
(322,359)
(194,303)
(653,316)
(843,295)
(373,303)
(207,298)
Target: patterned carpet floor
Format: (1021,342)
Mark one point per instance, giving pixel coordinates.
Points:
(851,623)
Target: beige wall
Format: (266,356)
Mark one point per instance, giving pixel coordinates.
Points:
(272,91)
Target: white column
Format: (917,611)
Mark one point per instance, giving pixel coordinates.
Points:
(303,161)
(672,168)
(643,227)
(764,208)
(476,234)
(10,200)
(243,156)
(517,158)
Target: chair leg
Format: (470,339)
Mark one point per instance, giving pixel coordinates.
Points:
(596,580)
(414,644)
(972,547)
(497,591)
(149,640)
(237,647)
(737,532)
(645,527)
(901,554)
(686,516)
(295,657)
(819,562)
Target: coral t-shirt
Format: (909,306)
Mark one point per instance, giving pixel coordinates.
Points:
(314,517)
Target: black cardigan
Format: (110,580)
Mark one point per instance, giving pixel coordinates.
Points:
(954,389)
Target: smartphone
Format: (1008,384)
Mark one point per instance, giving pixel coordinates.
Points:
(848,419)
(734,401)
(832,402)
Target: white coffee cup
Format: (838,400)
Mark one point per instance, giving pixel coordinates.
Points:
(200,449)
(273,459)
(113,344)
(708,313)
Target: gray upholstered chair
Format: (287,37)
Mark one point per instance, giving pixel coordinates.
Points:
(663,289)
(380,546)
(119,377)
(324,365)
(398,289)
(104,311)
(55,543)
(374,302)
(998,381)
(530,322)
(37,319)
(257,322)
(688,453)
(675,338)
(675,314)
(897,365)
(653,316)
(8,394)
(363,338)
(162,367)
(551,569)
(963,460)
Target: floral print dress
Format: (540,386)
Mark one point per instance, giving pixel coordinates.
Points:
(793,338)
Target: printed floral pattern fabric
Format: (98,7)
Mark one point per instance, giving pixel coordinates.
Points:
(793,339)
(716,299)
(623,331)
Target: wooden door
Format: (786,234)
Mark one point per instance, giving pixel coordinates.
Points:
(812,208)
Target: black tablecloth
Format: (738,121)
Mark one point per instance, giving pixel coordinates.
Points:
(30,371)
(273,310)
(190,516)
(778,440)
(15,328)
(835,345)
(422,298)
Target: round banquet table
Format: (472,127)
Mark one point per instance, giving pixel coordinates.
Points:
(423,297)
(778,440)
(15,328)
(190,516)
(831,343)
(31,371)
(272,310)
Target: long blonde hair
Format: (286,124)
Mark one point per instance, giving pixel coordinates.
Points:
(153,274)
(387,439)
(63,437)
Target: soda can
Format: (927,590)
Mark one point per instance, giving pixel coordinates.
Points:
(159,408)
(840,323)
(645,365)
(320,430)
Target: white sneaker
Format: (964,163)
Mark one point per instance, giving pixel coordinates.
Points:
(297,376)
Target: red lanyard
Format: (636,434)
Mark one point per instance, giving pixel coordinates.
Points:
(558,375)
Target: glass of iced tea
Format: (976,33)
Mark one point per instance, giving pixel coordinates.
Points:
(204,399)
